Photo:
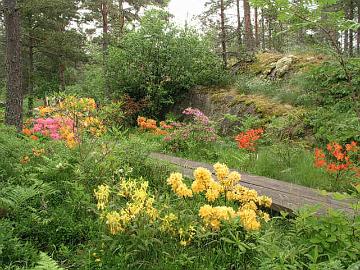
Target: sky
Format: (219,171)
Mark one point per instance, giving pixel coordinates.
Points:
(185,9)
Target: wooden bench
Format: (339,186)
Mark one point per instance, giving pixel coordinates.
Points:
(285,196)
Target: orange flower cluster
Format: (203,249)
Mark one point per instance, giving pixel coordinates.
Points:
(338,158)
(246,140)
(146,123)
(151,124)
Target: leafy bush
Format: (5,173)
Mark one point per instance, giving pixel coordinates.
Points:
(161,62)
(330,124)
(329,83)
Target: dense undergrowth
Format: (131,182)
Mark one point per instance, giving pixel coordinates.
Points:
(48,205)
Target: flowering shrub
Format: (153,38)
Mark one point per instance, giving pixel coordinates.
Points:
(137,208)
(247,140)
(226,187)
(151,124)
(198,131)
(137,203)
(337,159)
(65,121)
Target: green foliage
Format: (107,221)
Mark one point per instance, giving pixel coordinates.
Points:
(46,263)
(329,84)
(330,124)
(161,62)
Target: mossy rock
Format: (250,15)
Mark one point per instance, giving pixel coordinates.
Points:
(276,65)
(264,106)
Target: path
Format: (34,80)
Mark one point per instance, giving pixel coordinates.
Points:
(285,196)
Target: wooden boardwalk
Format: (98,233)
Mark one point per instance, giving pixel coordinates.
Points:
(285,196)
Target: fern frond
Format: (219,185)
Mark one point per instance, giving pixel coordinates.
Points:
(46,263)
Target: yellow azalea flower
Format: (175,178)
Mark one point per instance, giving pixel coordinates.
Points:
(214,191)
(177,185)
(265,201)
(197,186)
(202,181)
(113,220)
(248,219)
(222,171)
(183,243)
(102,195)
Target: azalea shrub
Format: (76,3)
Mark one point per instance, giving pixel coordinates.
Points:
(337,159)
(148,124)
(221,194)
(197,131)
(248,140)
(131,205)
(67,119)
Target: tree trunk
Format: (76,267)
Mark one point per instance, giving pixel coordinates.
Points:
(358,30)
(62,76)
(14,96)
(256,28)
(31,76)
(238,30)
(270,32)
(223,32)
(351,32)
(105,43)
(263,29)
(248,30)
(346,32)
(121,17)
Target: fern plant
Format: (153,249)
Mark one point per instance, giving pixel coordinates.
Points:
(46,263)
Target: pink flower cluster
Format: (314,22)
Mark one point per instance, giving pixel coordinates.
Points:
(51,127)
(197,115)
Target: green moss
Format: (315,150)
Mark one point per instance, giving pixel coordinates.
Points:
(264,105)
(265,61)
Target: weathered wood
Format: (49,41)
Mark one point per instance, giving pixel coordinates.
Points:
(286,196)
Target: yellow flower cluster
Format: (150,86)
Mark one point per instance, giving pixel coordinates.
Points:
(227,184)
(102,195)
(77,105)
(44,111)
(186,235)
(212,216)
(175,180)
(94,125)
(167,223)
(138,202)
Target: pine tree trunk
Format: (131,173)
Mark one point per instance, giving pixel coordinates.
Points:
(256,28)
(121,17)
(62,76)
(263,29)
(248,30)
(351,32)
(238,16)
(14,96)
(31,76)
(223,32)
(358,30)
(105,43)
(269,32)
(346,32)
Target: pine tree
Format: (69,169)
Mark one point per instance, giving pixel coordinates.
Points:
(14,96)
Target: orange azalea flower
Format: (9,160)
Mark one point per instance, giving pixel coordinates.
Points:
(33,137)
(351,147)
(26,132)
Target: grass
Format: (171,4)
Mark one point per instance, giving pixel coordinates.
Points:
(282,162)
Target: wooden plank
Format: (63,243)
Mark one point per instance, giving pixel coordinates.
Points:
(286,196)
